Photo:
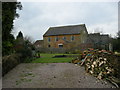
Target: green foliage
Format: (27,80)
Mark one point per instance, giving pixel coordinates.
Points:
(7,48)
(23,47)
(8,15)
(20,35)
(9,62)
(28,60)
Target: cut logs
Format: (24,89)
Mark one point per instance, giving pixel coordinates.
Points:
(101,63)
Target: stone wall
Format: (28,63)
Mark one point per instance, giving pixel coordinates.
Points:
(67,43)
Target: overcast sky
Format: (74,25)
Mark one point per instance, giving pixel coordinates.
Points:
(37,17)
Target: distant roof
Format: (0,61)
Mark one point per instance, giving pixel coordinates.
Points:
(38,42)
(98,34)
(99,38)
(65,30)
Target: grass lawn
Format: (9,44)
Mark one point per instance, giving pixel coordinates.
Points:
(47,58)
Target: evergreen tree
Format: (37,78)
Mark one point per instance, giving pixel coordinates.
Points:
(20,35)
(8,15)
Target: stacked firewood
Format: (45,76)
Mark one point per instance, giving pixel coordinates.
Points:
(100,63)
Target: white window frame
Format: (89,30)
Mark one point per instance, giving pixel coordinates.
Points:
(60,44)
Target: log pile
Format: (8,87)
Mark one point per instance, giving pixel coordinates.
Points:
(102,64)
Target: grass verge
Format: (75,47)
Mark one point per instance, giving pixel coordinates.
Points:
(48,58)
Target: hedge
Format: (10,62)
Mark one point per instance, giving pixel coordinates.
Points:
(9,62)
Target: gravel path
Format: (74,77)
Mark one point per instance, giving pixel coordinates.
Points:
(51,75)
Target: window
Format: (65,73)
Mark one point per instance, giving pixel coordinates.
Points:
(60,45)
(48,45)
(72,38)
(56,39)
(64,38)
(48,39)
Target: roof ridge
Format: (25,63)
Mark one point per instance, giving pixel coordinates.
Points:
(68,26)
(65,30)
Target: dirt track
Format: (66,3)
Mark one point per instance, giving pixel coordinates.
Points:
(52,75)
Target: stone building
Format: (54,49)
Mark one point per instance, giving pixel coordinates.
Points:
(100,41)
(71,38)
(38,44)
(65,37)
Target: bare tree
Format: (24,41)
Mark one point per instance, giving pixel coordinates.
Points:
(29,39)
(98,30)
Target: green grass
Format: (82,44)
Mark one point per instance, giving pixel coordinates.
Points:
(47,58)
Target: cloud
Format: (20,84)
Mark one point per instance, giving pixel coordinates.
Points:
(37,17)
(106,28)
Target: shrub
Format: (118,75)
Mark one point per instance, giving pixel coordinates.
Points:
(9,62)
(25,54)
(24,48)
(27,60)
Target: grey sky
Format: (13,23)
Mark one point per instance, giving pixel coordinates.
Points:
(37,17)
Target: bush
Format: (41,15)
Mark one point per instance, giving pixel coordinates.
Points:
(9,62)
(27,60)
(24,48)
(25,54)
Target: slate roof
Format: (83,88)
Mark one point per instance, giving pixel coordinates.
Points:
(65,30)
